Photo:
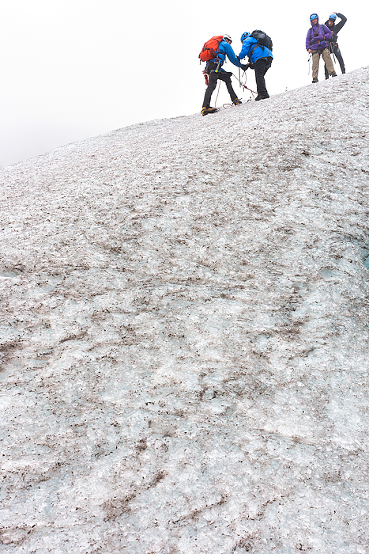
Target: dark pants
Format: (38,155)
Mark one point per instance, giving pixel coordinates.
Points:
(261,66)
(213,79)
(337,52)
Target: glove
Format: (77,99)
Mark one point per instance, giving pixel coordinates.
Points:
(245,66)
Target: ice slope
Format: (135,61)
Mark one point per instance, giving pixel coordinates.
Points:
(184,334)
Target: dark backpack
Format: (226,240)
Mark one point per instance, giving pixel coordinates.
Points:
(209,50)
(263,39)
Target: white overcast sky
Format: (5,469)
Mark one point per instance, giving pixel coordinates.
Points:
(78,68)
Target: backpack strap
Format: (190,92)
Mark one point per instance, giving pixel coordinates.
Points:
(254,48)
(221,52)
(323,32)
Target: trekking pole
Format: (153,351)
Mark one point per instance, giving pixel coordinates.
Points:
(216,99)
(309,62)
(331,48)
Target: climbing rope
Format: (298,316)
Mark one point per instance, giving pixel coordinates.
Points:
(244,85)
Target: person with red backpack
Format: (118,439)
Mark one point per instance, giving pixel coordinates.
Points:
(215,57)
(317,44)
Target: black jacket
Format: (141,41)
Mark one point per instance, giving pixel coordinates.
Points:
(336,27)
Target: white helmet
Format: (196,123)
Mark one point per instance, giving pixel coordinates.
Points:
(228,37)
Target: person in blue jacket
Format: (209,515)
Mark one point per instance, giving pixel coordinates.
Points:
(215,71)
(260,59)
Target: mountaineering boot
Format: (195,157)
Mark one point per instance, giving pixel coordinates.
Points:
(236,101)
(315,80)
(334,74)
(205,110)
(260,97)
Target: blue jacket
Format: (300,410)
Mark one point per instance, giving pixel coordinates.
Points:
(254,54)
(225,49)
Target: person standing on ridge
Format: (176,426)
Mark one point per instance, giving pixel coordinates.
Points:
(317,39)
(335,49)
(215,71)
(260,59)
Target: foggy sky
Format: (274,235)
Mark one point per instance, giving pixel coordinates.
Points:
(77,68)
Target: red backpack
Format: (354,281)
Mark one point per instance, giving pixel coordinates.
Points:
(209,50)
